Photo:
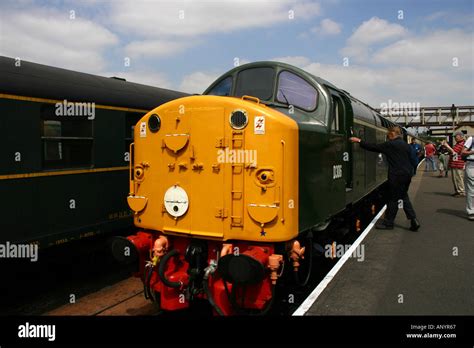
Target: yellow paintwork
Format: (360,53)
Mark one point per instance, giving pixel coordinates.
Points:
(226,200)
(137,203)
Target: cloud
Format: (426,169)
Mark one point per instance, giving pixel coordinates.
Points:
(406,84)
(158,19)
(436,15)
(434,50)
(298,61)
(327,27)
(198,81)
(371,32)
(375,85)
(51,37)
(156,48)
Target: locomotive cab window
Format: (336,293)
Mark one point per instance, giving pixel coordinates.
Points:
(294,90)
(223,88)
(255,82)
(67,140)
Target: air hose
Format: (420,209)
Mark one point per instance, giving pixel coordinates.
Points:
(207,272)
(146,283)
(162,267)
(211,299)
(310,262)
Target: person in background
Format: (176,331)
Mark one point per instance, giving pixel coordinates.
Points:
(416,150)
(430,152)
(456,164)
(443,156)
(400,171)
(468,152)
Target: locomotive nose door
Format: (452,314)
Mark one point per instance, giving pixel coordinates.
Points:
(342,125)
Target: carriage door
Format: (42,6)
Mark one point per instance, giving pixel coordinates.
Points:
(342,124)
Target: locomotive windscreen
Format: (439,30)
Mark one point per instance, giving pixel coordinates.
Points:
(256,82)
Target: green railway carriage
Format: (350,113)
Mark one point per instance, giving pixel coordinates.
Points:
(326,116)
(63,160)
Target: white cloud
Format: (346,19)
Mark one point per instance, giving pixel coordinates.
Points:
(371,32)
(197,82)
(436,15)
(160,19)
(156,48)
(375,85)
(50,37)
(298,61)
(407,84)
(435,50)
(327,27)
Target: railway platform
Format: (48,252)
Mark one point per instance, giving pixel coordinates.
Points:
(428,272)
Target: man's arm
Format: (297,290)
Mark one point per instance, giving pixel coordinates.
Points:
(450,149)
(467,146)
(380,148)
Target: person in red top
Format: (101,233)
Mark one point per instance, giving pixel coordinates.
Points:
(430,151)
(456,163)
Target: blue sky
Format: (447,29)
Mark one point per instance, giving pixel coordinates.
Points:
(426,56)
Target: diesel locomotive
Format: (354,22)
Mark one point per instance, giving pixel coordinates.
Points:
(228,187)
(64,151)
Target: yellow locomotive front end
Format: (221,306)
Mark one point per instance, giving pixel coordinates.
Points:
(214,190)
(217,168)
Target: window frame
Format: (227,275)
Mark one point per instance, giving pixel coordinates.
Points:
(275,77)
(231,77)
(44,117)
(277,83)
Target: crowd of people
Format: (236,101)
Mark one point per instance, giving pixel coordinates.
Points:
(403,161)
(441,158)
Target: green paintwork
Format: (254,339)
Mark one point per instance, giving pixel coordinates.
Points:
(38,209)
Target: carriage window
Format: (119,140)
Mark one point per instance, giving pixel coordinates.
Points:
(295,91)
(256,82)
(67,140)
(223,88)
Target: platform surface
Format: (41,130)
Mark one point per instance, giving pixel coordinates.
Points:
(429,272)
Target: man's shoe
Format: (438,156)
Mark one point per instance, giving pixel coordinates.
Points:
(383,226)
(471,217)
(415,225)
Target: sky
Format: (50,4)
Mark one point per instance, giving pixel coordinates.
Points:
(400,50)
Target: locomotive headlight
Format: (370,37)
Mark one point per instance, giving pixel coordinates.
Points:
(238,119)
(154,123)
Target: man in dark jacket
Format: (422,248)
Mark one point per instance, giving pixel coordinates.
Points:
(400,171)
